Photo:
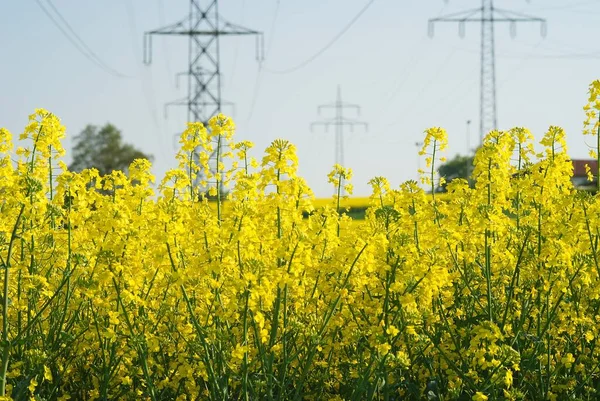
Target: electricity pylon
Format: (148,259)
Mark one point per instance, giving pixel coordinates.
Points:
(488,16)
(203,27)
(339,122)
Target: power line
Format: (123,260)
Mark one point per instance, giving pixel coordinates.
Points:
(147,88)
(272,31)
(488,16)
(237,44)
(592,55)
(459,99)
(404,75)
(258,78)
(567,7)
(257,82)
(327,46)
(82,47)
(442,66)
(161,21)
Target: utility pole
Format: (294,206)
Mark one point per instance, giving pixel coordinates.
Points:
(204,27)
(339,122)
(488,16)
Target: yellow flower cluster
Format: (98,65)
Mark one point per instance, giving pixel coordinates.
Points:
(113,291)
(436,140)
(592,110)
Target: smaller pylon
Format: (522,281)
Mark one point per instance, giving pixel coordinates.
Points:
(339,122)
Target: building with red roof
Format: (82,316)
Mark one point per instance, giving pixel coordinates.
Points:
(580,178)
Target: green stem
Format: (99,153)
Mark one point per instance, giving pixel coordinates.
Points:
(433,171)
(339,190)
(328,315)
(245,366)
(598,156)
(218,182)
(488,249)
(5,342)
(518,196)
(141,348)
(68,268)
(213,382)
(190,167)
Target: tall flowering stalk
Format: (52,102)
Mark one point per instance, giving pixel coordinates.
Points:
(340,178)
(436,141)
(591,125)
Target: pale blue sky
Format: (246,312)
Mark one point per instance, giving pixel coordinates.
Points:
(404,81)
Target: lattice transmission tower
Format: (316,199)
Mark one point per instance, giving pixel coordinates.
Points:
(204,27)
(487,15)
(339,122)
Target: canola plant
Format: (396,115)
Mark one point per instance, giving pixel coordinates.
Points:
(111,291)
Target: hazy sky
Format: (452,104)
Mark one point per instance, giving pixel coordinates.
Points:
(404,80)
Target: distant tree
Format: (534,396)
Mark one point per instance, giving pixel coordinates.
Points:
(103,149)
(458,167)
